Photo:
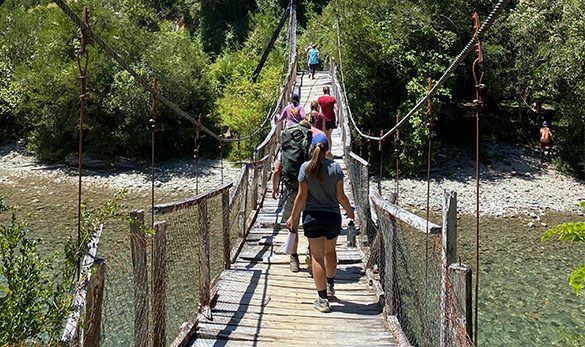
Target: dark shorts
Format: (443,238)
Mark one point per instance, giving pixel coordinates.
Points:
(544,145)
(319,224)
(330,124)
(312,67)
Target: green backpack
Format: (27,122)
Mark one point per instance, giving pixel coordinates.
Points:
(294,152)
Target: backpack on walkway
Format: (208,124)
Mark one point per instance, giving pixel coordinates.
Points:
(294,152)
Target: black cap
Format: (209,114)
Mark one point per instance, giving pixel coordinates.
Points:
(296,97)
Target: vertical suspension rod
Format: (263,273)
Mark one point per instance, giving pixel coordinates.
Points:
(381,149)
(429,115)
(153,124)
(84,40)
(479,86)
(197,154)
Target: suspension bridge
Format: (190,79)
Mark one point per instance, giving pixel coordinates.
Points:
(213,272)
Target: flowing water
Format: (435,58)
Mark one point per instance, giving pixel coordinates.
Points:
(524,298)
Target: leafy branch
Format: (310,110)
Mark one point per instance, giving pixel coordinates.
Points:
(571,232)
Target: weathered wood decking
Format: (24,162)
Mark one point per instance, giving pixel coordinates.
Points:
(260,302)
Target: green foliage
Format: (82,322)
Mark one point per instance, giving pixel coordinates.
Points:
(245,105)
(35,291)
(389,50)
(40,95)
(33,301)
(571,232)
(537,52)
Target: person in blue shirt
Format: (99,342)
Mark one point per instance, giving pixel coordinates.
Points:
(321,192)
(313,58)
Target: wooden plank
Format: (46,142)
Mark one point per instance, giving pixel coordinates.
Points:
(204,342)
(72,323)
(251,333)
(225,201)
(93,312)
(196,200)
(159,282)
(349,311)
(204,260)
(311,323)
(403,215)
(140,275)
(460,280)
(448,257)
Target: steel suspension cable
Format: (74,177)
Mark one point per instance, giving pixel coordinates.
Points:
(487,24)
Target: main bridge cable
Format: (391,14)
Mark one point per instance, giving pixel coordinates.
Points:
(487,24)
(140,79)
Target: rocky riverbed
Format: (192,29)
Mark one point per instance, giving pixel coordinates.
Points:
(172,177)
(514,182)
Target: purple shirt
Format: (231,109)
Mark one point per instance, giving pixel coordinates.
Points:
(293,114)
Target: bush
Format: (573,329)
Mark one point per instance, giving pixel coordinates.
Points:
(34,296)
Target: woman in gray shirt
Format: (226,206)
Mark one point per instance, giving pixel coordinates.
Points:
(320,193)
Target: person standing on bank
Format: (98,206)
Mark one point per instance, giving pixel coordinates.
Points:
(329,109)
(321,192)
(313,58)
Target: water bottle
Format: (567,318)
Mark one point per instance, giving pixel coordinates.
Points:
(351,234)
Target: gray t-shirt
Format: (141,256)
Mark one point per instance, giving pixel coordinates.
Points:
(322,195)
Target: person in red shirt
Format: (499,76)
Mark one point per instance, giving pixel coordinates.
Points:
(328,106)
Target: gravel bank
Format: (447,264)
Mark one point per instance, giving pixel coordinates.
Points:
(174,176)
(513,182)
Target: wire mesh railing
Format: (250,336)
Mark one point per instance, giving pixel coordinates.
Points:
(423,286)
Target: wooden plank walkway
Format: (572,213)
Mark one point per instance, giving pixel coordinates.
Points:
(260,302)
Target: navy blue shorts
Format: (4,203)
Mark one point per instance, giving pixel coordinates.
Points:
(318,224)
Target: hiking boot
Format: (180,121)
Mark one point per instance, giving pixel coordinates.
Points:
(322,305)
(331,293)
(294,263)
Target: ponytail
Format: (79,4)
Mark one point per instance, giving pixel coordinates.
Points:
(314,167)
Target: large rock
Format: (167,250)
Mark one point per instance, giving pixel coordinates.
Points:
(89,162)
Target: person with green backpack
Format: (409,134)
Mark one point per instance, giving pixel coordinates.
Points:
(294,151)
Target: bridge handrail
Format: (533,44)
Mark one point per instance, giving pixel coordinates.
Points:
(453,327)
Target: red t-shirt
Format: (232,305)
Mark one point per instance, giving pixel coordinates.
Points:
(327,103)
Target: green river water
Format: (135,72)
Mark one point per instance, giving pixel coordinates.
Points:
(524,298)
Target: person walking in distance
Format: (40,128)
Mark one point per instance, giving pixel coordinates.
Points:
(329,109)
(546,139)
(313,58)
(321,192)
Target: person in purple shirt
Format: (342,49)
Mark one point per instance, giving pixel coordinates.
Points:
(292,113)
